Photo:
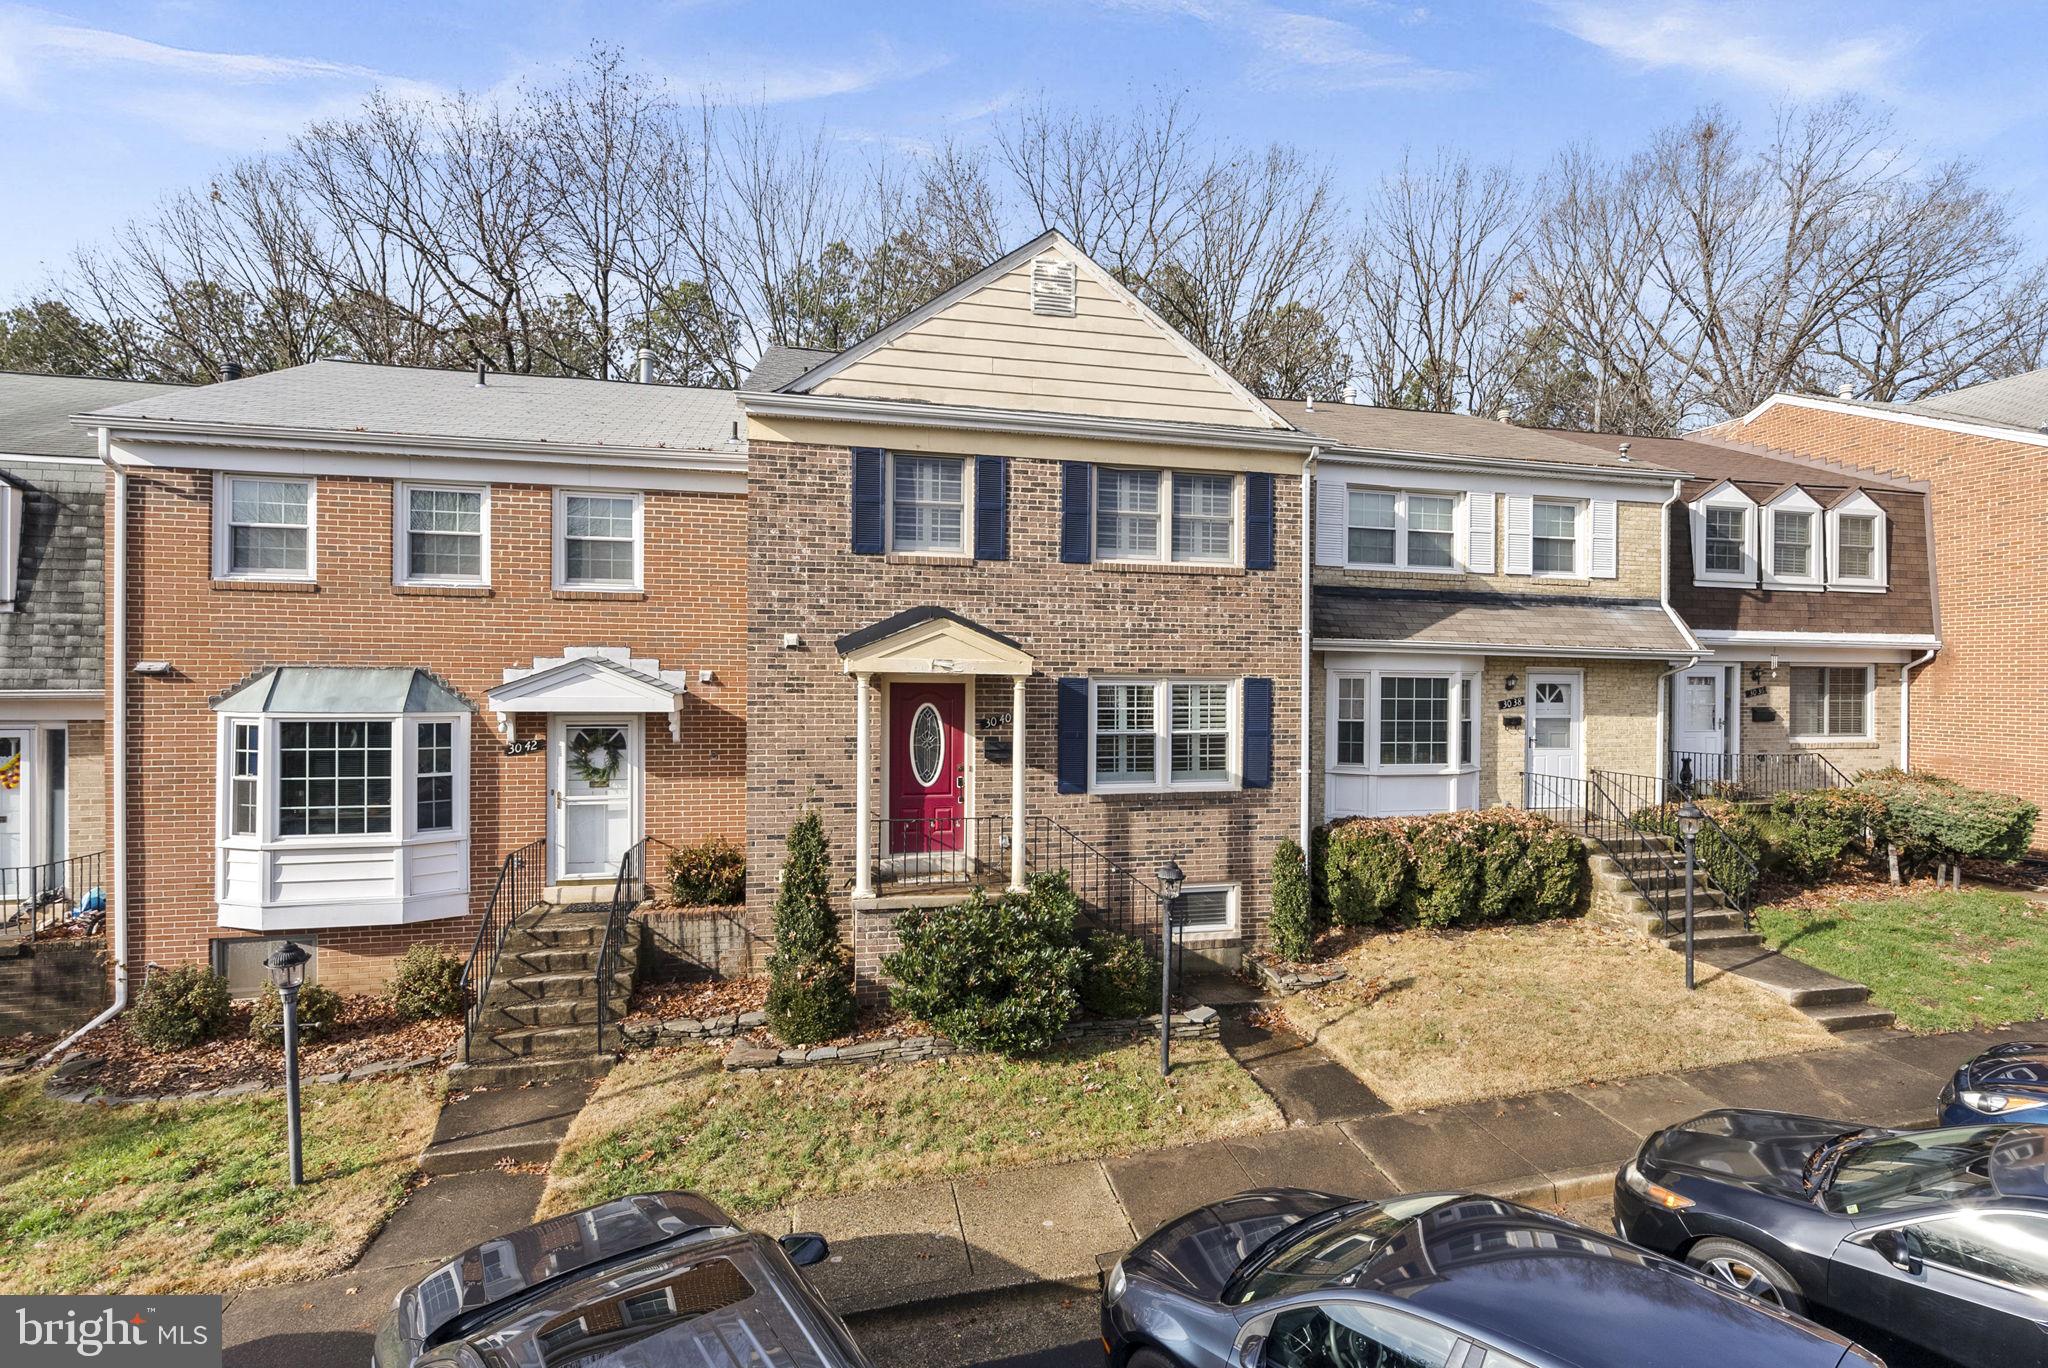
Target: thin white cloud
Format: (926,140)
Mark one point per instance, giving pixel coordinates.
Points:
(1736,42)
(1290,50)
(781,79)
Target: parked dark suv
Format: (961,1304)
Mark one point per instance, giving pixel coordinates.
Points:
(663,1277)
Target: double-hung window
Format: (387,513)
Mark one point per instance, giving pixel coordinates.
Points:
(1553,537)
(1392,529)
(1726,524)
(598,544)
(244,779)
(434,777)
(1856,548)
(1352,722)
(264,529)
(1792,544)
(1152,734)
(928,505)
(1727,540)
(1186,517)
(1831,702)
(443,534)
(1856,544)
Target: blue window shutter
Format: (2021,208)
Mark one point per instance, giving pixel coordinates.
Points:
(1073,735)
(867,501)
(1258,733)
(991,508)
(1258,522)
(1077,514)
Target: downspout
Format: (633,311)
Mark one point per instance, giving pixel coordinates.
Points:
(1664,598)
(1906,707)
(114,668)
(1308,550)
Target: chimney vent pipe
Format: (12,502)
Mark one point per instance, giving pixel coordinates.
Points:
(646,370)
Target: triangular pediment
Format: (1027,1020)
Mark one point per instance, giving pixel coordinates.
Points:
(1044,329)
(927,641)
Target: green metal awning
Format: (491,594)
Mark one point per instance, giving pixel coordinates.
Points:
(342,690)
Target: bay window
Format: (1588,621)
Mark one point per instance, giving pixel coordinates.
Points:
(434,792)
(1351,719)
(1831,702)
(1164,734)
(1399,717)
(1391,529)
(1415,720)
(334,778)
(1185,517)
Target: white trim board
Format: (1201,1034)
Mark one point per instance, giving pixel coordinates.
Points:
(1503,477)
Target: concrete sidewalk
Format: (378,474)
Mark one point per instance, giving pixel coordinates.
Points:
(976,1234)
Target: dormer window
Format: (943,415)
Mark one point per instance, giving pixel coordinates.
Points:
(1724,537)
(1856,544)
(1792,552)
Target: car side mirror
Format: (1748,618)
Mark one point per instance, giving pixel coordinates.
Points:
(1896,1247)
(804,1250)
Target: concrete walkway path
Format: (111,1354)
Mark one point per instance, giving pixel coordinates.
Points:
(1306,1084)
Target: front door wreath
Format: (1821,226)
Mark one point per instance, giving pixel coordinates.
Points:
(595,753)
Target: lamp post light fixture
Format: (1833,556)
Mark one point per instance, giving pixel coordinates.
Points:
(287,966)
(1170,879)
(1690,819)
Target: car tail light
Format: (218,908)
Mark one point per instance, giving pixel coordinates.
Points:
(1654,1192)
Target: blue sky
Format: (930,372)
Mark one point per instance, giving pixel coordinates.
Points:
(103,107)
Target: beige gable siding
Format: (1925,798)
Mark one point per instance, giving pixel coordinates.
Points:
(989,350)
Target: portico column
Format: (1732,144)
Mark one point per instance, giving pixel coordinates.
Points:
(1017,784)
(863,862)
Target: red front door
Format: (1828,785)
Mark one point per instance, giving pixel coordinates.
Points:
(927,783)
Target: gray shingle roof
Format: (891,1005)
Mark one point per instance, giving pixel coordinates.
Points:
(1717,459)
(780,365)
(2019,401)
(1363,428)
(1504,622)
(35,411)
(347,398)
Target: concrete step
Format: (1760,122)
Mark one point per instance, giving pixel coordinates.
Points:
(482,1125)
(551,987)
(570,959)
(554,936)
(1850,1016)
(1799,984)
(1733,938)
(581,895)
(517,1073)
(545,1012)
(1703,920)
(531,1042)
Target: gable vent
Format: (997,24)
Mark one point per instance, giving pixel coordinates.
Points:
(1052,287)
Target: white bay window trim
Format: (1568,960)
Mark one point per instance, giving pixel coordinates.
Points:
(225,485)
(1854,506)
(1788,518)
(1163,731)
(1462,740)
(561,540)
(402,569)
(1166,514)
(1726,499)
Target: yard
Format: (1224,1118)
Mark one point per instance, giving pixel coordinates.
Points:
(1431,1018)
(754,1141)
(1940,961)
(191,1196)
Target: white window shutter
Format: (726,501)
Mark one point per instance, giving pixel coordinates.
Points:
(10,544)
(1520,515)
(1603,560)
(1332,528)
(1479,533)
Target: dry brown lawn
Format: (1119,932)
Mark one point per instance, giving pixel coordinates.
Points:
(1434,1018)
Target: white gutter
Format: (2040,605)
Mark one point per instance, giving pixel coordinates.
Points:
(1381,456)
(1551,651)
(1664,598)
(114,668)
(1906,707)
(1308,552)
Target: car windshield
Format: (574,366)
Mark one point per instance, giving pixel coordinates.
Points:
(1904,1171)
(1325,1252)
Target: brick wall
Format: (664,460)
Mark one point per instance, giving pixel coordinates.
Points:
(1849,756)
(1618,729)
(85,780)
(690,616)
(1073,619)
(1980,708)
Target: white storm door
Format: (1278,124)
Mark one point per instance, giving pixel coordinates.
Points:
(14,799)
(1553,744)
(1699,729)
(596,781)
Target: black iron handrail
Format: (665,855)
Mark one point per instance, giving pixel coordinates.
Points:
(1755,776)
(940,852)
(629,889)
(1113,896)
(36,899)
(521,877)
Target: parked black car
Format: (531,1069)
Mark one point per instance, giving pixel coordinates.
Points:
(1283,1278)
(2007,1084)
(1922,1242)
(664,1277)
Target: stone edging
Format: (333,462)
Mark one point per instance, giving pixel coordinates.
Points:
(1286,983)
(1197,1023)
(381,1068)
(670,1032)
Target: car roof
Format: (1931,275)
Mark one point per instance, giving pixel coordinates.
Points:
(1503,1273)
(2019,1162)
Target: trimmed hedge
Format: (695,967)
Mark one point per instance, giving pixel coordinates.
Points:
(1453,869)
(427,984)
(1928,817)
(179,1007)
(1292,927)
(1120,979)
(712,873)
(1000,974)
(1806,836)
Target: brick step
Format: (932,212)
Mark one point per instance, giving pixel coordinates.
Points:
(1850,1016)
(533,1042)
(1731,939)
(544,1012)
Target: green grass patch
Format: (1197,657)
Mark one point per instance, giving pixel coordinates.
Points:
(1940,961)
(191,1196)
(754,1141)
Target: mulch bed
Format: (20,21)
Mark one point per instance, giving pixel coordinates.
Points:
(698,998)
(25,1046)
(367,1033)
(1852,885)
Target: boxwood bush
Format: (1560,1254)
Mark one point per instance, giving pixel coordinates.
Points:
(427,983)
(1366,868)
(1120,978)
(1807,836)
(319,1014)
(1001,974)
(1452,869)
(711,873)
(179,1007)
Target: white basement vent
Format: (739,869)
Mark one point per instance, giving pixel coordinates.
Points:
(1052,287)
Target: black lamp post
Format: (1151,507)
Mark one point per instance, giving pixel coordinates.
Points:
(287,966)
(1690,818)
(1170,879)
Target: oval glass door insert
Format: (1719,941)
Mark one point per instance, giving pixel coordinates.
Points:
(927,745)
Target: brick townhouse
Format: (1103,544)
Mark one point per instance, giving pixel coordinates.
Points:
(1025,591)
(1490,623)
(1811,586)
(1978,708)
(374,629)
